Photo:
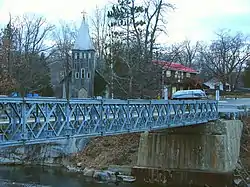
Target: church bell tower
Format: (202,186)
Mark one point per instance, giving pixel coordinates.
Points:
(83,69)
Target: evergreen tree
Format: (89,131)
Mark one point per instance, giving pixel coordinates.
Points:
(8,82)
(247,76)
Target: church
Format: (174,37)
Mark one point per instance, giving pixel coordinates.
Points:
(83,71)
(83,63)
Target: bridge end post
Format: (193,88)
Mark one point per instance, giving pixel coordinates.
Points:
(24,132)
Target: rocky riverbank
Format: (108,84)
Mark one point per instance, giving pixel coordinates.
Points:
(51,154)
(102,152)
(107,159)
(98,158)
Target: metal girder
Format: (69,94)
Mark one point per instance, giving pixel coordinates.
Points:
(41,120)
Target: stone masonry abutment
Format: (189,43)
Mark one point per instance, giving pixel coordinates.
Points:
(210,148)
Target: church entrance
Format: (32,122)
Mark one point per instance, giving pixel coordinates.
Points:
(82,93)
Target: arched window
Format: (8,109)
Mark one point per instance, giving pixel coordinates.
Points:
(76,75)
(82,73)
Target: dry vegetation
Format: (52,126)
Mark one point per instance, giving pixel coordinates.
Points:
(244,161)
(245,144)
(111,150)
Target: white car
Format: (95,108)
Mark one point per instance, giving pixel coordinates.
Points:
(189,94)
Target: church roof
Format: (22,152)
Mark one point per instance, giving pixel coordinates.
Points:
(83,40)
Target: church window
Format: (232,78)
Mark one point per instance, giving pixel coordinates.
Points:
(76,75)
(88,75)
(84,55)
(75,55)
(82,73)
(80,55)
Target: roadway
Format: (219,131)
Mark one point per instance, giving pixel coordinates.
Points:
(233,105)
(240,101)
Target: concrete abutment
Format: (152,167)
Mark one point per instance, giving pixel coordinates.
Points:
(211,149)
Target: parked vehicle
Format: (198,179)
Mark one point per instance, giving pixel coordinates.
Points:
(14,94)
(189,94)
(29,95)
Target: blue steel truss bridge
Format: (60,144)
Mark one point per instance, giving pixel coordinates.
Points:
(25,121)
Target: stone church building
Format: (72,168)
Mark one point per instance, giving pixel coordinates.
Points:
(83,68)
(84,64)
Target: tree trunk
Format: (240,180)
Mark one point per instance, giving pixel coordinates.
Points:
(130,87)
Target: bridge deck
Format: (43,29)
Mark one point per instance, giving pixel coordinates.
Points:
(234,108)
(40,120)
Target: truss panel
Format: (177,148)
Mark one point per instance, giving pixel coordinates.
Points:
(41,120)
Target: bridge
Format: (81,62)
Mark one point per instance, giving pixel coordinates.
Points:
(204,143)
(25,121)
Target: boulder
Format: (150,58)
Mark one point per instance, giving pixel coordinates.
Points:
(73,169)
(88,172)
(79,164)
(102,176)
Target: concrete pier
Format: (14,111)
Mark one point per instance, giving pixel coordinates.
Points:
(206,148)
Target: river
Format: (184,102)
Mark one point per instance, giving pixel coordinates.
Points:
(27,176)
(37,176)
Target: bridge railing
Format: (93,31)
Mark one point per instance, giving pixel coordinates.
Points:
(37,120)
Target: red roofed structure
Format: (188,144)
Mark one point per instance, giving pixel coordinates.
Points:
(174,66)
(176,76)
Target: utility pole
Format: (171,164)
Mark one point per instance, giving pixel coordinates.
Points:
(112,81)
(9,45)
(67,76)
(111,60)
(128,49)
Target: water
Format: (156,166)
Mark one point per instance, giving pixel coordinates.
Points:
(27,176)
(30,176)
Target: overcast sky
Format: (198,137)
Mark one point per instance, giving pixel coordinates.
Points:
(192,19)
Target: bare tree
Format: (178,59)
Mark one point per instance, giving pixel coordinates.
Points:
(60,62)
(155,23)
(186,53)
(64,37)
(26,38)
(135,28)
(225,55)
(100,31)
(32,32)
